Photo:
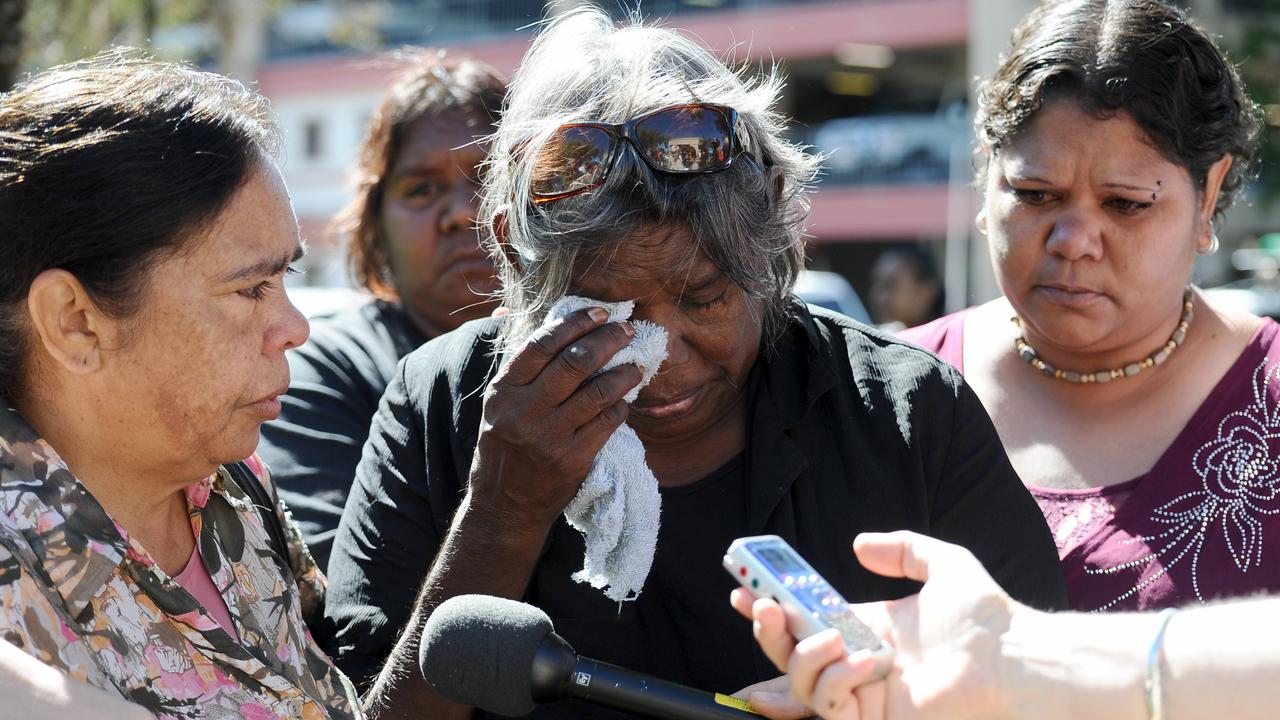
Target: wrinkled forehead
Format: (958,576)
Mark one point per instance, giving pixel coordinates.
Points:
(1064,136)
(1064,128)
(650,260)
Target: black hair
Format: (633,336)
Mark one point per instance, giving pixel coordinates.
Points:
(920,261)
(434,84)
(1142,57)
(107,163)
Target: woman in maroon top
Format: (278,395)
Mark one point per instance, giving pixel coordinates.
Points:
(1144,417)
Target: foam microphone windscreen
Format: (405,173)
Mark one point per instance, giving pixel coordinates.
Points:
(478,650)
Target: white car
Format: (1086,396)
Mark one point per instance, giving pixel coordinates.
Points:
(316,300)
(831,291)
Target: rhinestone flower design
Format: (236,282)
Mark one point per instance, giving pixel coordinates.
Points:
(1239,473)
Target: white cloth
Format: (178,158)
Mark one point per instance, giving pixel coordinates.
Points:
(617,509)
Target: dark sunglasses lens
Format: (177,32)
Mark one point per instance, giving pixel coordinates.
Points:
(572,159)
(686,139)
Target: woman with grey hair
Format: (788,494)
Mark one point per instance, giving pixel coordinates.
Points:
(631,166)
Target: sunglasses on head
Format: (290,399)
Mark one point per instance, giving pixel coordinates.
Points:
(679,140)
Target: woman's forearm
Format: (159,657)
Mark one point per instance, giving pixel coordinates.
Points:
(33,690)
(1223,661)
(1071,666)
(1215,662)
(481,554)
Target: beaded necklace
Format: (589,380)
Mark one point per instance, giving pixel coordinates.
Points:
(1029,355)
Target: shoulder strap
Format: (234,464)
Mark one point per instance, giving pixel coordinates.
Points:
(252,486)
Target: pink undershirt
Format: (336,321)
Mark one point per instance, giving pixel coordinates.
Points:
(195,579)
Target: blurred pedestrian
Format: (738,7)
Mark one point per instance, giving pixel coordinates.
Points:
(905,288)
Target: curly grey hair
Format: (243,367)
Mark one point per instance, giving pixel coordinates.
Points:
(583,68)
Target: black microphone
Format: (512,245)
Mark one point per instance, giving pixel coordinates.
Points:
(502,656)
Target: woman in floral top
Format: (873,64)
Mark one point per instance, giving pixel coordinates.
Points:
(143,324)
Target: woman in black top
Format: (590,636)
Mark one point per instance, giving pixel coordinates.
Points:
(766,416)
(411,240)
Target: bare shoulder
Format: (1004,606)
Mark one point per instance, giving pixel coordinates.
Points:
(988,336)
(1234,321)
(1220,333)
(990,315)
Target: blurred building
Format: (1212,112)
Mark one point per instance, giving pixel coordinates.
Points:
(883,88)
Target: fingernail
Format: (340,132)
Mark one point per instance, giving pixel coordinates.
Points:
(861,662)
(598,314)
(861,657)
(767,698)
(628,328)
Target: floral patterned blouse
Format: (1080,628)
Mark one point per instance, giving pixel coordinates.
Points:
(77,593)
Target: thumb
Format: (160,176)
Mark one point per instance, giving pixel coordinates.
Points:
(778,705)
(908,554)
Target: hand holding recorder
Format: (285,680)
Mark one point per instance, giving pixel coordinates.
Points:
(943,644)
(964,649)
(768,567)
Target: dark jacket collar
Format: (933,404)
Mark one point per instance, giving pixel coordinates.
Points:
(790,377)
(405,335)
(798,368)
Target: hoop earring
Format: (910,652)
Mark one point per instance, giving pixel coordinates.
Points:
(1213,245)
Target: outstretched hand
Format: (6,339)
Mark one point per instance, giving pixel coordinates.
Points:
(948,662)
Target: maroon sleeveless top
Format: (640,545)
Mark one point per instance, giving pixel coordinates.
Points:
(1193,528)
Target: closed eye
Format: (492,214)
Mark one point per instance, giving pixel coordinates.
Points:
(703,305)
(268,286)
(1127,206)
